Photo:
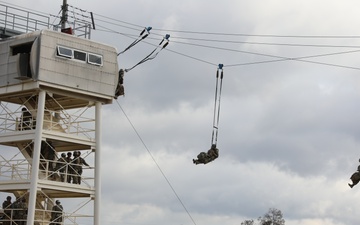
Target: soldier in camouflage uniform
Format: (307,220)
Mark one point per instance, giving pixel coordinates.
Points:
(61,166)
(7,206)
(204,158)
(57,214)
(355,178)
(70,167)
(20,211)
(78,161)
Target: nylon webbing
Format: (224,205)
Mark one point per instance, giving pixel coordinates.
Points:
(216,118)
(151,56)
(140,38)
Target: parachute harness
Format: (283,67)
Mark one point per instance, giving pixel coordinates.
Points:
(218,90)
(140,38)
(163,43)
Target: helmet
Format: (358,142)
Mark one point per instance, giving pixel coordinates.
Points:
(63,155)
(57,202)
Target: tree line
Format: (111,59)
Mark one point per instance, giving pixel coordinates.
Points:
(272,217)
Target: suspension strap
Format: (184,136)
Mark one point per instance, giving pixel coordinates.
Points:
(218,90)
(140,38)
(163,43)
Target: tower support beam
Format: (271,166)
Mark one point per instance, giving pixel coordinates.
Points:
(97,201)
(36,158)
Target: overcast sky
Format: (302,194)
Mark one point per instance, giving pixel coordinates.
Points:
(289,127)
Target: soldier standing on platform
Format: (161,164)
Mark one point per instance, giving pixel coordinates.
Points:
(78,161)
(20,211)
(57,214)
(70,167)
(7,206)
(26,119)
(61,167)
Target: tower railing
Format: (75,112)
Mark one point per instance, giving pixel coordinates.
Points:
(17,170)
(58,121)
(43,216)
(15,21)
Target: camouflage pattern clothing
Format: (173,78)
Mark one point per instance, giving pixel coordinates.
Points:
(204,158)
(78,162)
(70,168)
(7,206)
(57,214)
(20,211)
(61,166)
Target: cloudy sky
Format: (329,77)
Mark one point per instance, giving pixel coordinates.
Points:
(289,127)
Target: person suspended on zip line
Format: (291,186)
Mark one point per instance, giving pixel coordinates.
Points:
(355,178)
(213,152)
(206,157)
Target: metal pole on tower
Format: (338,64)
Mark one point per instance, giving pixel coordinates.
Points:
(64,15)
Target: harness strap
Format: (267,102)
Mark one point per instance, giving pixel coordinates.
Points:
(218,90)
(140,38)
(150,56)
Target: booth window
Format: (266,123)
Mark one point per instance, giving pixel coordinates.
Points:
(70,53)
(95,59)
(80,55)
(65,52)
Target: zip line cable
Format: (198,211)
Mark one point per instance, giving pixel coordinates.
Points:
(132,36)
(244,42)
(268,55)
(157,165)
(191,57)
(259,54)
(238,34)
(268,43)
(241,35)
(279,58)
(260,35)
(120,21)
(251,35)
(301,59)
(206,32)
(252,43)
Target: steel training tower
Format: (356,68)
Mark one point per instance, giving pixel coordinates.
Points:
(52,88)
